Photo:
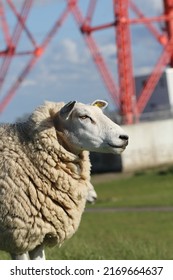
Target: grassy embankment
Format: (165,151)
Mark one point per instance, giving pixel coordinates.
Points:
(129,234)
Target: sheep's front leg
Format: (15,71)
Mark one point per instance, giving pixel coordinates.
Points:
(38,253)
(24,256)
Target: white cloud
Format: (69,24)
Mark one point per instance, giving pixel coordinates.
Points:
(143,70)
(28,82)
(157,5)
(70,50)
(73,51)
(108,49)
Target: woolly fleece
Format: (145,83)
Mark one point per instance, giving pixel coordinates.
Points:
(43,186)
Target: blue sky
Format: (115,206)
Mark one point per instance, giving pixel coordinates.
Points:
(66,71)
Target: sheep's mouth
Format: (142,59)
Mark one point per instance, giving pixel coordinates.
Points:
(118,146)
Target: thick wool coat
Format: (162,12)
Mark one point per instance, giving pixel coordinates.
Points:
(43,185)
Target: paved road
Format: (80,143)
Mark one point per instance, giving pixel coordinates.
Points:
(132,209)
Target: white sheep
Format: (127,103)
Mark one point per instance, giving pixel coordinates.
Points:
(45,173)
(38,253)
(92,195)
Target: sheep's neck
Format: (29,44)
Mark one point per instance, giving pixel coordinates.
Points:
(67,145)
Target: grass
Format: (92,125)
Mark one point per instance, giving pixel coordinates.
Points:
(150,188)
(120,236)
(124,235)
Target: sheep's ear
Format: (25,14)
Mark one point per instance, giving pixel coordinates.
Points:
(67,109)
(100,103)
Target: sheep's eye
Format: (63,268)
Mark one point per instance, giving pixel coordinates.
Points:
(84,117)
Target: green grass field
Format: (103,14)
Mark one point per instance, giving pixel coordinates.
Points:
(129,234)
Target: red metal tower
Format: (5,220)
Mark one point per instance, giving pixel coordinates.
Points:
(123,93)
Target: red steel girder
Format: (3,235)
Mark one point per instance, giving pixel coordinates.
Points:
(4,25)
(155,76)
(35,55)
(164,60)
(38,51)
(161,38)
(168,6)
(14,39)
(125,66)
(122,94)
(90,12)
(95,52)
(22,21)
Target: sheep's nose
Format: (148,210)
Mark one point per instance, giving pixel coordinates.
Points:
(124,137)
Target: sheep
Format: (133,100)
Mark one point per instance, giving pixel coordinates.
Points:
(45,173)
(92,195)
(39,253)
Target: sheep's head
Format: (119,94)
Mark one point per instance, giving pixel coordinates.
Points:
(85,127)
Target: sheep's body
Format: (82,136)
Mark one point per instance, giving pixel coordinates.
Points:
(43,187)
(45,174)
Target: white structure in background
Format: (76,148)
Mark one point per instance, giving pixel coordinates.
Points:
(151,142)
(169,79)
(150,145)
(159,104)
